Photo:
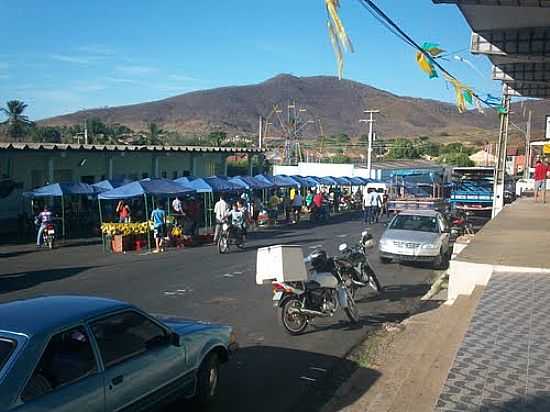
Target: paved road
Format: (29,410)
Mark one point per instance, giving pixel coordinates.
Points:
(272,370)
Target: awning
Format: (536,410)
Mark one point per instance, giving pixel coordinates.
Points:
(212,184)
(278,181)
(304,181)
(154,187)
(62,189)
(251,183)
(105,185)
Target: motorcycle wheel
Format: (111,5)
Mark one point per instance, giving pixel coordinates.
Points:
(293,323)
(373,280)
(352,311)
(223,244)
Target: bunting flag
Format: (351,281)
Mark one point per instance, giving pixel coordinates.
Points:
(338,36)
(424,60)
(463,93)
(477,104)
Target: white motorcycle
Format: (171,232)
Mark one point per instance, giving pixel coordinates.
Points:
(322,295)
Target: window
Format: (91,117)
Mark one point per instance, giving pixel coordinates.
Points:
(126,335)
(67,358)
(6,348)
(415,223)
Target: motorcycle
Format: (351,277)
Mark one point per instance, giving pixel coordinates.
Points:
(230,235)
(322,295)
(354,265)
(460,224)
(48,235)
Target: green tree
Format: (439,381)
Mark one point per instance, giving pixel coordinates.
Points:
(155,134)
(342,138)
(18,123)
(456,159)
(402,149)
(46,134)
(217,138)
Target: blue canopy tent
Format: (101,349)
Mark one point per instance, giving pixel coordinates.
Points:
(341,181)
(357,181)
(61,190)
(278,180)
(146,187)
(250,183)
(304,182)
(325,181)
(106,185)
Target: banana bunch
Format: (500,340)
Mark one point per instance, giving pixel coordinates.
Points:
(176,231)
(125,229)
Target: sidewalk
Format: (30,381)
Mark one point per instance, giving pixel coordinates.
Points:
(500,361)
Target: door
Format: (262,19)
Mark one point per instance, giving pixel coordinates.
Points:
(67,378)
(141,364)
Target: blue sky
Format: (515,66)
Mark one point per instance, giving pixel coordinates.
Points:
(62,56)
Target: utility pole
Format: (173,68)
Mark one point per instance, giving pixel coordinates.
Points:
(527,162)
(370,121)
(500,167)
(260,132)
(86,132)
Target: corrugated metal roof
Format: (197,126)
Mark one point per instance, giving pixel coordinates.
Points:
(122,148)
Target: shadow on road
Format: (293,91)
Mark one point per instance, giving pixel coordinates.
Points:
(397,292)
(274,379)
(11,282)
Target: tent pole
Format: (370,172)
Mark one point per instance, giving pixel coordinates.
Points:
(147,220)
(63,216)
(101,223)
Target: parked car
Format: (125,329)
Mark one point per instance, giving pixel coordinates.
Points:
(72,353)
(420,236)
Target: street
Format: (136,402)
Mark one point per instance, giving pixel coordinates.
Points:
(273,370)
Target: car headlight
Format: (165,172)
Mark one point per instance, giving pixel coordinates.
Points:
(429,246)
(383,242)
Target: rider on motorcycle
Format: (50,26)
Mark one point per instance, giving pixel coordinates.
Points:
(237,219)
(44,218)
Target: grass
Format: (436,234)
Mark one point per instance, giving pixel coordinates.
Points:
(366,353)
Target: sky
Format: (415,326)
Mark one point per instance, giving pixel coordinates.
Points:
(67,55)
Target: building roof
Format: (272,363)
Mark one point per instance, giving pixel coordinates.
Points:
(514,35)
(122,148)
(42,314)
(405,164)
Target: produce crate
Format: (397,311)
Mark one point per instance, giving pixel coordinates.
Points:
(121,243)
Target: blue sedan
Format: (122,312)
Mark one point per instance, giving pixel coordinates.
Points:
(71,353)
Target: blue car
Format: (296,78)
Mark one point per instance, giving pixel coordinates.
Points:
(72,353)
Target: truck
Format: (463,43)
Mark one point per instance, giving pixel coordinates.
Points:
(472,189)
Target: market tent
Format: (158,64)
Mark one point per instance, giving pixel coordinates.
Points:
(105,185)
(341,181)
(197,184)
(62,189)
(325,181)
(278,180)
(221,184)
(251,183)
(155,187)
(357,181)
(304,182)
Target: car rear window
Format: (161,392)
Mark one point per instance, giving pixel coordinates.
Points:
(7,346)
(415,223)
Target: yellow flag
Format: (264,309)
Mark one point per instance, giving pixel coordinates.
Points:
(338,36)
(425,65)
(546,149)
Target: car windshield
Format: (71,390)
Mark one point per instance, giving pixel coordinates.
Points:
(6,348)
(415,223)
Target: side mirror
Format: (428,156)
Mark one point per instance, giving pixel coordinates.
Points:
(343,247)
(176,340)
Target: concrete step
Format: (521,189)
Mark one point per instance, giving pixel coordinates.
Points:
(414,366)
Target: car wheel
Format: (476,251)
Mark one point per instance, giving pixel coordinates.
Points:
(207,380)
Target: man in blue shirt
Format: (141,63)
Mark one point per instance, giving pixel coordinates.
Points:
(158,216)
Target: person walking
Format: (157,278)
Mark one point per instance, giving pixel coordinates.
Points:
(366,205)
(541,170)
(221,210)
(158,216)
(297,206)
(43,219)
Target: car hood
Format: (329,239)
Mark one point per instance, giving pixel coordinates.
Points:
(185,326)
(410,236)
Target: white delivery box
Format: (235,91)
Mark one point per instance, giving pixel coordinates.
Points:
(283,263)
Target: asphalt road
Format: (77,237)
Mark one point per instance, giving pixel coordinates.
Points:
(273,371)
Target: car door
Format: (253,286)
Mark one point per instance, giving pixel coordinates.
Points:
(141,364)
(67,377)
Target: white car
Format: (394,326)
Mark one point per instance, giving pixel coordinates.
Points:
(418,236)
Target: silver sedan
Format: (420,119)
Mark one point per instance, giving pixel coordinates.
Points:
(418,236)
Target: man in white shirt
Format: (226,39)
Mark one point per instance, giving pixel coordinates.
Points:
(371,203)
(221,210)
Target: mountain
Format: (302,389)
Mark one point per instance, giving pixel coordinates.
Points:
(338,104)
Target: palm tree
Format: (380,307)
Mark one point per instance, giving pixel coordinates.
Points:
(17,121)
(155,134)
